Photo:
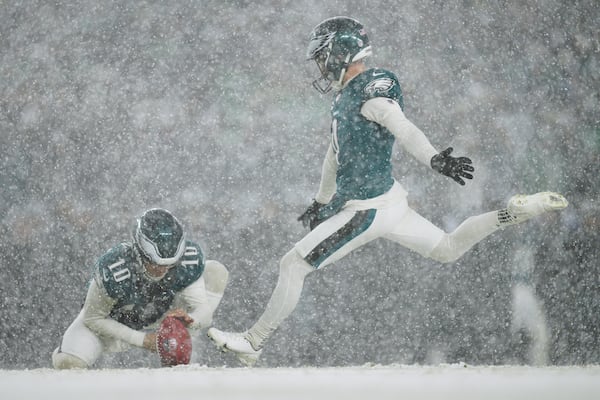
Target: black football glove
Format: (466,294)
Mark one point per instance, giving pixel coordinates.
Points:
(456,168)
(310,217)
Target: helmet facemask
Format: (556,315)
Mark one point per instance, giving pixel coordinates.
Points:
(332,70)
(319,49)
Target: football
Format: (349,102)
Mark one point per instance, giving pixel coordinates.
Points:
(173,342)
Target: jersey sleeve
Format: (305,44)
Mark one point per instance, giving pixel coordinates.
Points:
(383,83)
(112,271)
(190,268)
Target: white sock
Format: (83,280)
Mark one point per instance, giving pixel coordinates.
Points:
(471,231)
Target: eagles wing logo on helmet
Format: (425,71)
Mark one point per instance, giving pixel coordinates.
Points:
(379,86)
(318,43)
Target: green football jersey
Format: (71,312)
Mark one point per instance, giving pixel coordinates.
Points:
(363,148)
(142,301)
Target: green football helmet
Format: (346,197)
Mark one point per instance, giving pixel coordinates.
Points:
(159,237)
(334,44)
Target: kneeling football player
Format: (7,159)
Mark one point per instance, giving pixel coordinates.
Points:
(136,285)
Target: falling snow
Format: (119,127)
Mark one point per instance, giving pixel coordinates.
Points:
(206,108)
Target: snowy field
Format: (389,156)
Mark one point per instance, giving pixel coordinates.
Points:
(446,382)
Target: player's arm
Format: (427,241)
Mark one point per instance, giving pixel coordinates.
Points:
(327,188)
(196,313)
(199,300)
(387,112)
(97,307)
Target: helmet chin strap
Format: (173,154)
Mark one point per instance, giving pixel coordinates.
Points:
(338,85)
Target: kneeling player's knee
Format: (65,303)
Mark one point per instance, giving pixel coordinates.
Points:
(215,276)
(62,360)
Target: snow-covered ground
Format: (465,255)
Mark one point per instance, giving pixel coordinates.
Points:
(463,382)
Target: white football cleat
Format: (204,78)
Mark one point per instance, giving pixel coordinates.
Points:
(237,343)
(522,207)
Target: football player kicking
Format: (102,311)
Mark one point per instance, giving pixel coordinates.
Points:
(135,285)
(358,198)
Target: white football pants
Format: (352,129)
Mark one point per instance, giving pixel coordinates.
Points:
(351,229)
